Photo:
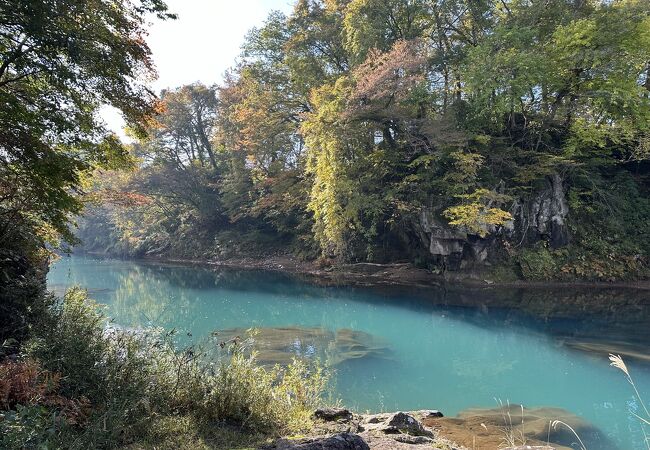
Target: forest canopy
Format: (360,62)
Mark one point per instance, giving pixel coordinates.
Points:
(448,133)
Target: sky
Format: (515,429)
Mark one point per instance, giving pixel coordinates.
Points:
(201,44)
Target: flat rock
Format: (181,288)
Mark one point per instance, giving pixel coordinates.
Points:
(340,441)
(333,414)
(483,428)
(429,413)
(413,440)
(404,423)
(530,447)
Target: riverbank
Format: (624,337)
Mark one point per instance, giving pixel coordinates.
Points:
(342,429)
(429,347)
(509,427)
(397,274)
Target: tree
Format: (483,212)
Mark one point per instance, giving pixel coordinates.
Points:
(361,124)
(60,61)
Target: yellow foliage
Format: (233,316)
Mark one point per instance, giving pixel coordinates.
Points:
(477,215)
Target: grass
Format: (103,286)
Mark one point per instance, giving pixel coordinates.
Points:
(187,433)
(81,385)
(617,361)
(513,435)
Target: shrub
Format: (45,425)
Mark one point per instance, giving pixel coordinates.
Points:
(270,400)
(537,263)
(120,382)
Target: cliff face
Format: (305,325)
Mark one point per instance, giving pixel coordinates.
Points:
(541,217)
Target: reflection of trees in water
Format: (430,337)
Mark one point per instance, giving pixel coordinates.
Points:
(246,280)
(580,317)
(143,298)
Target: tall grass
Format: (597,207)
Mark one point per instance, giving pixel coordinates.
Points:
(617,361)
(127,381)
(513,434)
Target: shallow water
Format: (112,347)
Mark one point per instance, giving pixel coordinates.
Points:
(442,356)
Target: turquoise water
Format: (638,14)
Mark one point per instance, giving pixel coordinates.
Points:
(439,356)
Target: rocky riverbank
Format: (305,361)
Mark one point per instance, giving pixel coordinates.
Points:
(507,428)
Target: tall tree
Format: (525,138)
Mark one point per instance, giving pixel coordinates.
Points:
(60,61)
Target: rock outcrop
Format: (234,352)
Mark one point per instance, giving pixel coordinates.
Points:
(540,217)
(339,429)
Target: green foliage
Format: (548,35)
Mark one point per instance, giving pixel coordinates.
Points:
(61,61)
(131,380)
(29,426)
(537,263)
(266,400)
(347,122)
(476,215)
(610,242)
(23,297)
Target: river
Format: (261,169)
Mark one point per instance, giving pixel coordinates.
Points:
(395,348)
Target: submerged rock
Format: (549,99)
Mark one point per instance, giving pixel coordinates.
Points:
(492,428)
(280,345)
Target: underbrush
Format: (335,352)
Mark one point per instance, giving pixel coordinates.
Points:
(81,384)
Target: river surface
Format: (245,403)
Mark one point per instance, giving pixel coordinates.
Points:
(405,349)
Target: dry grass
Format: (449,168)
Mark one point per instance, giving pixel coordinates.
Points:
(617,361)
(513,434)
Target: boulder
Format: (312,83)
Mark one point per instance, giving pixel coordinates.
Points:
(431,414)
(404,423)
(340,441)
(333,414)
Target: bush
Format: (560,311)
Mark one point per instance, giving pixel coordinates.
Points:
(121,382)
(23,296)
(275,400)
(537,263)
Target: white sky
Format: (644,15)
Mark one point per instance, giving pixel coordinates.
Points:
(201,44)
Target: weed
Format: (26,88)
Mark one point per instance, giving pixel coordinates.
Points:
(617,361)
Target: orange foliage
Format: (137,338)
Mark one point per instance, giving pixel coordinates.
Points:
(386,79)
(25,383)
(123,198)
